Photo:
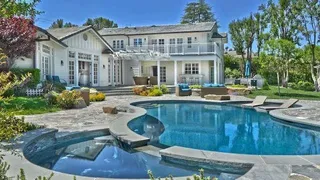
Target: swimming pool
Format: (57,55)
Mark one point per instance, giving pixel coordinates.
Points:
(101,158)
(222,128)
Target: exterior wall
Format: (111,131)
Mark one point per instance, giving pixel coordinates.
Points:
(104,81)
(23,62)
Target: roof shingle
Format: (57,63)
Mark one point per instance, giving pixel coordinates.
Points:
(197,27)
(61,33)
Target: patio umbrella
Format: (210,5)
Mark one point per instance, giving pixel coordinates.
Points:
(247,69)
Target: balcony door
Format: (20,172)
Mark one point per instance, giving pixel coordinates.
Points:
(161,45)
(179,45)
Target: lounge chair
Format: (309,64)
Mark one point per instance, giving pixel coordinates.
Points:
(287,104)
(49,78)
(183,90)
(258,101)
(56,79)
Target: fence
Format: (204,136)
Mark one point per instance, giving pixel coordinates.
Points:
(34,92)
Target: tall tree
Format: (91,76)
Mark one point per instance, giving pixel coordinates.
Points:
(236,30)
(100,23)
(17,38)
(10,8)
(249,29)
(197,12)
(261,25)
(59,23)
(309,27)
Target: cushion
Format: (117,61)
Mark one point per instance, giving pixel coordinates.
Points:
(70,88)
(185,89)
(183,86)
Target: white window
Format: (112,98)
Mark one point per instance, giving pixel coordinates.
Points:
(72,54)
(109,71)
(163,74)
(172,45)
(84,56)
(161,45)
(191,68)
(95,73)
(189,42)
(137,42)
(114,44)
(96,58)
(46,49)
(45,66)
(118,44)
(122,44)
(118,71)
(71,72)
(179,46)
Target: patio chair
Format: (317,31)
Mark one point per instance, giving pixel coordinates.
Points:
(56,79)
(216,89)
(183,90)
(287,104)
(49,78)
(258,101)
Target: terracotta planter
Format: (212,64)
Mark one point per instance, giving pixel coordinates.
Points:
(140,80)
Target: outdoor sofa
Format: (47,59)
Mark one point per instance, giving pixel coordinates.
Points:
(183,90)
(216,89)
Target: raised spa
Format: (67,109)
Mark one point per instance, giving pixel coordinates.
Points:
(222,128)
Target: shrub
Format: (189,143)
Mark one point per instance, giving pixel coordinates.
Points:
(164,89)
(11,126)
(97,97)
(236,73)
(265,85)
(58,87)
(238,86)
(35,75)
(145,93)
(137,90)
(51,98)
(293,85)
(155,92)
(68,99)
(306,86)
(228,72)
(197,86)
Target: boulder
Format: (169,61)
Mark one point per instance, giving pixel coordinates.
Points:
(217,97)
(80,104)
(110,110)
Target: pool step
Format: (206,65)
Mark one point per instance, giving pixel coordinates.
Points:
(105,139)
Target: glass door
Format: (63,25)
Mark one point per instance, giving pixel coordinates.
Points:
(44,66)
(161,45)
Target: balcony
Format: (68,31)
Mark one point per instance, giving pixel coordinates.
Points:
(176,49)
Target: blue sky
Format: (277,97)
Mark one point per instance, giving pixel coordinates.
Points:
(139,12)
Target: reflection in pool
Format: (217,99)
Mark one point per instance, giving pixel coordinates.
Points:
(223,128)
(95,158)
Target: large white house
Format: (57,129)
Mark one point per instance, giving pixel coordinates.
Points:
(191,53)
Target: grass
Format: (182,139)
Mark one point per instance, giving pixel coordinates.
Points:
(286,93)
(27,106)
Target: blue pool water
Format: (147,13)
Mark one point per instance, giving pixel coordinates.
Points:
(93,158)
(223,128)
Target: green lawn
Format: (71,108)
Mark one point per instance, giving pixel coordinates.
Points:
(27,106)
(286,93)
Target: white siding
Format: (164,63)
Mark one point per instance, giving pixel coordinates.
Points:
(23,62)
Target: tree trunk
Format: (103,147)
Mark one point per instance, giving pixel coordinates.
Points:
(278,78)
(314,74)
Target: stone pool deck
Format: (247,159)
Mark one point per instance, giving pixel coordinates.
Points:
(92,118)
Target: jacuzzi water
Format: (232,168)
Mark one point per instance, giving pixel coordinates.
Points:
(93,158)
(223,128)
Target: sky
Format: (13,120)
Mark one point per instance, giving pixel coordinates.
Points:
(139,12)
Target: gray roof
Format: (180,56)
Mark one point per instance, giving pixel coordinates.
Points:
(181,28)
(63,33)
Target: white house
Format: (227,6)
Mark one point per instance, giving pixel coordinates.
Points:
(191,53)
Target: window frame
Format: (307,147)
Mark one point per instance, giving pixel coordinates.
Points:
(191,68)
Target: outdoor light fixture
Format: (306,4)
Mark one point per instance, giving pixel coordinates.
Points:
(61,62)
(104,66)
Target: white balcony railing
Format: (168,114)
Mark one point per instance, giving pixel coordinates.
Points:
(176,49)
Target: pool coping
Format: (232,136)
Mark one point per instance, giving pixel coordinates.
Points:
(214,156)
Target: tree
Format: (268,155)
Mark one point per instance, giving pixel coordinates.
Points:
(278,55)
(249,29)
(100,23)
(309,27)
(10,8)
(197,12)
(17,38)
(261,25)
(59,23)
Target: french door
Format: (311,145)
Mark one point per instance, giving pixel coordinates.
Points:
(45,66)
(161,45)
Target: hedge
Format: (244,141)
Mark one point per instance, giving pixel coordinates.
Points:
(35,75)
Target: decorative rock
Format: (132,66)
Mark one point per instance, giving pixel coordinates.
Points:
(217,97)
(110,110)
(80,104)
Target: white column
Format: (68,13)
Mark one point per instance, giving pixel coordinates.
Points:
(76,64)
(218,72)
(215,70)
(92,70)
(175,73)
(158,70)
(113,71)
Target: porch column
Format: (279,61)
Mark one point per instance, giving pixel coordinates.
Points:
(158,70)
(113,71)
(76,70)
(215,70)
(92,70)
(218,72)
(175,73)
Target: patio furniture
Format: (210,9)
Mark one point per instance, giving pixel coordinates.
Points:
(56,79)
(183,90)
(287,104)
(258,101)
(237,82)
(217,89)
(49,78)
(217,97)
(71,88)
(153,80)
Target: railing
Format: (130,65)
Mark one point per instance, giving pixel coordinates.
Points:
(176,49)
